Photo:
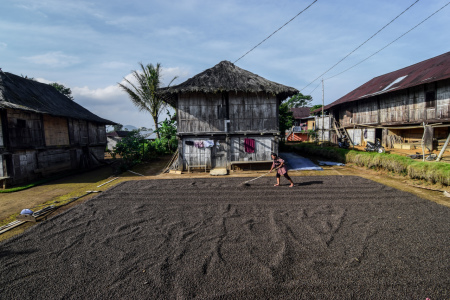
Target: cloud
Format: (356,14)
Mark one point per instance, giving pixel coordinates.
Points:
(43,80)
(53,59)
(169,73)
(112,103)
(3,46)
(107,94)
(115,65)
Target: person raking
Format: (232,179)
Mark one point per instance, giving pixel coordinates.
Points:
(278,163)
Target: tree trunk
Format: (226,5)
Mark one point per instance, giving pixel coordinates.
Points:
(155,120)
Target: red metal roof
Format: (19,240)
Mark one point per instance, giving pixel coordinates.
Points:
(430,70)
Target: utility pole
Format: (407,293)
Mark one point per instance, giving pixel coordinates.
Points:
(323,122)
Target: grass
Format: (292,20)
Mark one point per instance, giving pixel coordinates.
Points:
(432,171)
(36,183)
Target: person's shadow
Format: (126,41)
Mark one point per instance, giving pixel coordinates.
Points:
(309,183)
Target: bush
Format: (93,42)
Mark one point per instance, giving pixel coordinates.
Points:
(435,172)
(131,149)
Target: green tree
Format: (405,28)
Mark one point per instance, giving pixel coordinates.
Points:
(144,94)
(299,100)
(117,127)
(316,107)
(286,118)
(130,149)
(63,90)
(167,142)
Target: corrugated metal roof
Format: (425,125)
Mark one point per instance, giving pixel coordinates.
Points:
(24,94)
(430,70)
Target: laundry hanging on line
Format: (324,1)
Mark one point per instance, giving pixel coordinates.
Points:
(208,143)
(198,144)
(249,145)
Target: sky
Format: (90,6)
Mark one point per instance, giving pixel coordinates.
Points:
(90,46)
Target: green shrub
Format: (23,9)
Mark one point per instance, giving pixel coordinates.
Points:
(435,172)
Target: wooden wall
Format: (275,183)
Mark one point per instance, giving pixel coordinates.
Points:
(253,112)
(2,170)
(25,129)
(56,131)
(40,144)
(194,156)
(226,151)
(1,133)
(198,112)
(78,132)
(202,113)
(82,132)
(264,146)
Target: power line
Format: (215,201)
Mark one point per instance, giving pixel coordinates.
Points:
(277,31)
(361,45)
(391,42)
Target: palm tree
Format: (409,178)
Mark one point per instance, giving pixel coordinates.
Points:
(143,94)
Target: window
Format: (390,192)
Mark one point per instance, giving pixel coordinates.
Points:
(430,99)
(221,111)
(21,123)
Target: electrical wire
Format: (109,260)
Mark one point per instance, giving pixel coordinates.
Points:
(277,31)
(390,42)
(360,45)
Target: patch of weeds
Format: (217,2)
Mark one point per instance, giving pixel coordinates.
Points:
(431,171)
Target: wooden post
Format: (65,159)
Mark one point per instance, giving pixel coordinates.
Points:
(423,142)
(443,149)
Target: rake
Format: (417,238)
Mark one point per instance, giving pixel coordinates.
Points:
(246,182)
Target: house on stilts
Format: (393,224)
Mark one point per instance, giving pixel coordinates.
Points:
(44,132)
(400,108)
(227,118)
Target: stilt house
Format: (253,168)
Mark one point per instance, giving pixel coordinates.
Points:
(226,117)
(395,107)
(43,132)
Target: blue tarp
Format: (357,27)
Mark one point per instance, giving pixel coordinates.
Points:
(296,162)
(329,163)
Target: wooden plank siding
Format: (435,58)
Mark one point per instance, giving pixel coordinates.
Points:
(33,145)
(227,119)
(56,131)
(410,106)
(247,112)
(253,112)
(2,144)
(24,129)
(264,146)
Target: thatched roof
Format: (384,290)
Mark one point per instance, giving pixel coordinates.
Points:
(226,77)
(24,94)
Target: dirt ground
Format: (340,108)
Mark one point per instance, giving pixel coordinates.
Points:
(329,237)
(61,191)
